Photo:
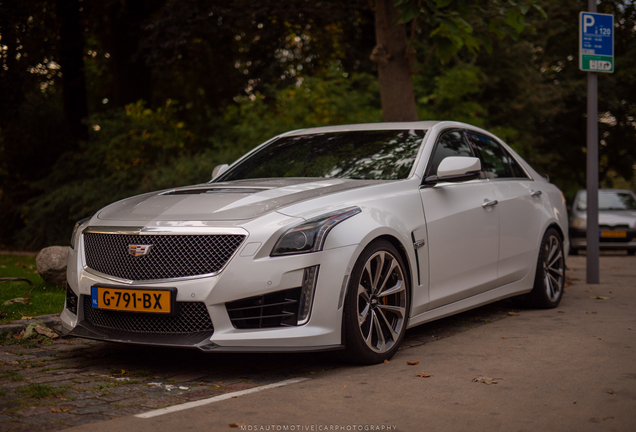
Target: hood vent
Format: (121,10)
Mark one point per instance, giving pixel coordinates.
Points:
(215,190)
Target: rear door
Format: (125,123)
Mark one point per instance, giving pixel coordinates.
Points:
(463,229)
(520,205)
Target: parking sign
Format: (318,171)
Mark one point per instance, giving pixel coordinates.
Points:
(596,42)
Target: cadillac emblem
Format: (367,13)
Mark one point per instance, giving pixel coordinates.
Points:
(139,250)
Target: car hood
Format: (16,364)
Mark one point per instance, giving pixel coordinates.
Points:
(617,217)
(237,200)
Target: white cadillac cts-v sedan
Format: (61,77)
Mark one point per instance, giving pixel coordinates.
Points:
(322,239)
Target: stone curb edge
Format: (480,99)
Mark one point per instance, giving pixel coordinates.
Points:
(52,321)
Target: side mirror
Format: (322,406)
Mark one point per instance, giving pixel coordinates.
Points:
(455,169)
(218,170)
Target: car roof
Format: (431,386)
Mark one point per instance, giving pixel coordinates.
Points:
(422,125)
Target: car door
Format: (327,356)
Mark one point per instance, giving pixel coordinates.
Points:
(520,205)
(462,221)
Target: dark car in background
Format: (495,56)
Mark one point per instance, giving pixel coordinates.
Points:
(616,220)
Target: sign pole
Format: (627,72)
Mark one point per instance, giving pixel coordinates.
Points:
(592,250)
(596,54)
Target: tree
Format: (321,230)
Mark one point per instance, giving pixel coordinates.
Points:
(449,25)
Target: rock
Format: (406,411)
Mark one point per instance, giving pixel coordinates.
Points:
(51,263)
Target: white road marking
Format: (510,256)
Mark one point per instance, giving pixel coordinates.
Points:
(219,398)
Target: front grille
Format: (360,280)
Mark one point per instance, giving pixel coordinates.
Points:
(169,256)
(192,317)
(270,310)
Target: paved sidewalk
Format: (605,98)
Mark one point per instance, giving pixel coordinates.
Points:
(544,362)
(566,369)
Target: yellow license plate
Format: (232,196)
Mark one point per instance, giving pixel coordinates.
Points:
(613,234)
(132,300)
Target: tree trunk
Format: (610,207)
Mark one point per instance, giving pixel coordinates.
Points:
(131,76)
(72,64)
(394,68)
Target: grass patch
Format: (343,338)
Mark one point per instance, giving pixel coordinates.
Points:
(11,374)
(41,391)
(44,298)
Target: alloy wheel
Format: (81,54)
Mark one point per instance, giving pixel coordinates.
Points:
(382,300)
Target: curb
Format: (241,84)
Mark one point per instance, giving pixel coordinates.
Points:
(52,321)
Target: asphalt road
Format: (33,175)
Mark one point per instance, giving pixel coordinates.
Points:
(567,369)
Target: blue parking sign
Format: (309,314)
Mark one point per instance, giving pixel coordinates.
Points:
(596,42)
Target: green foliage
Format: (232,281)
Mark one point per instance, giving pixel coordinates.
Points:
(130,151)
(451,25)
(331,98)
(454,96)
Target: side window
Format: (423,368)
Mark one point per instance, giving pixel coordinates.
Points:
(451,143)
(497,161)
(516,168)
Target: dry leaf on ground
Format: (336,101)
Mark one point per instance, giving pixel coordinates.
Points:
(423,375)
(599,298)
(413,363)
(485,380)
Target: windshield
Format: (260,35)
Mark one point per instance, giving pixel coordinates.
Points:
(609,201)
(369,155)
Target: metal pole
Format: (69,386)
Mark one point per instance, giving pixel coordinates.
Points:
(592,251)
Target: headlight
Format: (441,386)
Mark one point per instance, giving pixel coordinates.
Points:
(78,224)
(579,223)
(310,236)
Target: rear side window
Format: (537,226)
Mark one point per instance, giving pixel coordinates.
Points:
(498,163)
(451,143)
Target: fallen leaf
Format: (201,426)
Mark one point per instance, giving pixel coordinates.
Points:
(413,363)
(599,298)
(503,337)
(123,372)
(236,425)
(594,312)
(423,375)
(574,403)
(26,318)
(513,314)
(201,383)
(485,380)
(45,331)
(57,410)
(611,392)
(386,361)
(589,290)
(562,389)
(18,300)
(600,339)
(561,311)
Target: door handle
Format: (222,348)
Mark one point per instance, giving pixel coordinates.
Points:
(490,203)
(535,194)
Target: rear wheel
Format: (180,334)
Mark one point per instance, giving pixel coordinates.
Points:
(549,279)
(376,306)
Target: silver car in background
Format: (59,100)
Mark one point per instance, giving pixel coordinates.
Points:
(616,220)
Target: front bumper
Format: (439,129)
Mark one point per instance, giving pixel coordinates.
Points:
(578,240)
(244,277)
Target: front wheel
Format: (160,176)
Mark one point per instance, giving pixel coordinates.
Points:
(549,279)
(376,306)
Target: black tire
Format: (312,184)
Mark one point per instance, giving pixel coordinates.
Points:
(376,305)
(549,278)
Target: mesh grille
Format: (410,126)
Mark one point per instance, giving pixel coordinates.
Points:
(170,256)
(193,317)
